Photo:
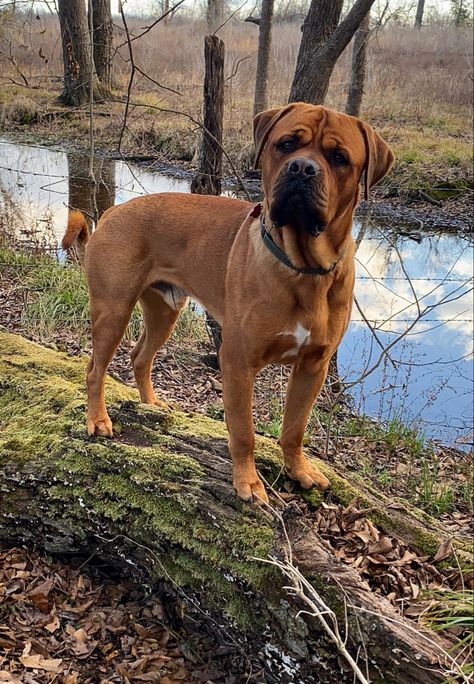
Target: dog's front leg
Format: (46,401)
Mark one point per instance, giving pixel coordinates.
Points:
(238,380)
(305,383)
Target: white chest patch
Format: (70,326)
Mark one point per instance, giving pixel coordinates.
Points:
(301,336)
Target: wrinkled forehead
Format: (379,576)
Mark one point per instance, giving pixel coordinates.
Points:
(324,128)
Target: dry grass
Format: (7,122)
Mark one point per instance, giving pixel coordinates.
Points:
(418,90)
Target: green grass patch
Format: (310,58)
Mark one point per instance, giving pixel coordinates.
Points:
(453,612)
(58,300)
(434,496)
(430,156)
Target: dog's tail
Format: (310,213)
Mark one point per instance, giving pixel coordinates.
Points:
(76,235)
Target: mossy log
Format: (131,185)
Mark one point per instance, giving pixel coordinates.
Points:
(159,498)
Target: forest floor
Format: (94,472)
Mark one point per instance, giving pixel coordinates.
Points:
(81,622)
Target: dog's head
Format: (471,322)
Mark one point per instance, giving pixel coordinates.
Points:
(313,160)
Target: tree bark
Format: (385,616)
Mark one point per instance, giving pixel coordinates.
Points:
(263,58)
(358,68)
(103,37)
(208,179)
(76,53)
(158,499)
(322,44)
(420,8)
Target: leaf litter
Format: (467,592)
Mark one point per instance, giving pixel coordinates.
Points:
(66,625)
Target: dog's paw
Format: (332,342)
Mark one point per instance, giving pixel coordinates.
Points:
(103,427)
(160,404)
(251,491)
(308,475)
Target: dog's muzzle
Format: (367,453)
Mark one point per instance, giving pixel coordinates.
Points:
(297,197)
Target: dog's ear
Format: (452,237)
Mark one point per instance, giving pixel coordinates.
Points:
(378,157)
(263,124)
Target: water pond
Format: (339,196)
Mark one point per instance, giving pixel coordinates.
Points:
(414,294)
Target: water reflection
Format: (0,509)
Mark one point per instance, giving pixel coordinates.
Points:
(92,190)
(37,185)
(415,294)
(419,295)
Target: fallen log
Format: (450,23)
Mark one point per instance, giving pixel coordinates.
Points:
(158,498)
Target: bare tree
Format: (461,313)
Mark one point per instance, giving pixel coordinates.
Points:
(165,8)
(76,53)
(322,43)
(461,12)
(359,67)
(420,8)
(208,178)
(263,59)
(103,37)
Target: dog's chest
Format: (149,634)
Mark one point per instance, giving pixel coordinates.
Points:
(292,344)
(298,338)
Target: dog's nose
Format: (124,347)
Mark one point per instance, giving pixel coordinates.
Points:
(303,167)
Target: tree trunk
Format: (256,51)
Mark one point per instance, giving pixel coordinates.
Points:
(158,499)
(358,68)
(263,58)
(420,8)
(321,46)
(103,37)
(214,14)
(76,53)
(208,179)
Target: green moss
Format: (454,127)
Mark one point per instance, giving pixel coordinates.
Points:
(314,497)
(157,489)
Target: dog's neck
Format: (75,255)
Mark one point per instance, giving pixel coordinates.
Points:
(307,252)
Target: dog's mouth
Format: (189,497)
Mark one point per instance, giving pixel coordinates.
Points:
(296,203)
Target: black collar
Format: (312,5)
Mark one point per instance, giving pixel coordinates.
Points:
(283,257)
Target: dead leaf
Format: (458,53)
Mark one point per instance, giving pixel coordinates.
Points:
(53,625)
(383,546)
(408,556)
(148,677)
(365,535)
(39,595)
(71,678)
(82,608)
(444,551)
(38,662)
(7,642)
(8,677)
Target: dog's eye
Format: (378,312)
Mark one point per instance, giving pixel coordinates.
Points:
(287,145)
(339,158)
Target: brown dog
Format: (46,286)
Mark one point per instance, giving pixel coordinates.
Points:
(280,283)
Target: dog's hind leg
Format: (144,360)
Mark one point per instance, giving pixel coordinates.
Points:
(109,320)
(161,308)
